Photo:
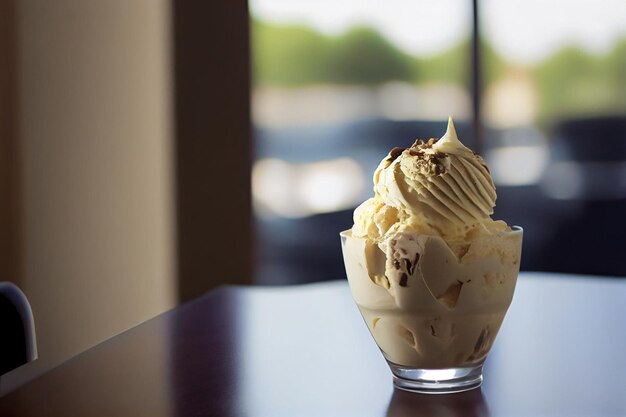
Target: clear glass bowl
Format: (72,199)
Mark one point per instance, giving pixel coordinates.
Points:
(433,309)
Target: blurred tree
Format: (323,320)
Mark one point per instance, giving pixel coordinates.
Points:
(363,56)
(616,65)
(298,55)
(452,66)
(289,55)
(572,82)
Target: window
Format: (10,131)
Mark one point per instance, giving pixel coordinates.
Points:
(337,84)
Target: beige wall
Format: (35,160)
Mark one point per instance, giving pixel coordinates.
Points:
(96,169)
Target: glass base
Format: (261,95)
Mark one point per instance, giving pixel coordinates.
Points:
(437,381)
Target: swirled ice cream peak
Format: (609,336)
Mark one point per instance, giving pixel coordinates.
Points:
(450,142)
(437,187)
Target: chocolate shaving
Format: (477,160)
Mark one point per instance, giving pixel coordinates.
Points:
(437,161)
(394,154)
(408,266)
(396,264)
(432,330)
(403,280)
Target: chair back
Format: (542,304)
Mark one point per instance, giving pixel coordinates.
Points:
(17,329)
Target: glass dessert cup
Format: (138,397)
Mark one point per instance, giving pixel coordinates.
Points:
(434,310)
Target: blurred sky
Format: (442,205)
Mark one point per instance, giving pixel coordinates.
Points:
(524,31)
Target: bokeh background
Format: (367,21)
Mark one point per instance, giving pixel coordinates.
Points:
(338,85)
(151,150)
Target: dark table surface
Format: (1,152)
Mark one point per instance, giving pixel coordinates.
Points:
(304,351)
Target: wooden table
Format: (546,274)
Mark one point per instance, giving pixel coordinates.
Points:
(304,351)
